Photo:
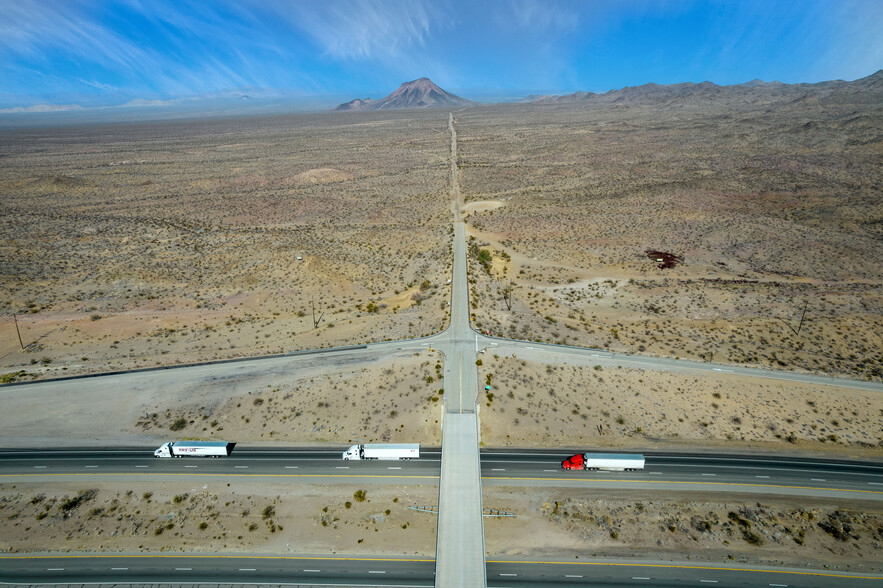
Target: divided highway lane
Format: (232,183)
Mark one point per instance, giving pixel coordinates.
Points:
(696,472)
(235,570)
(302,465)
(671,471)
(621,574)
(210,569)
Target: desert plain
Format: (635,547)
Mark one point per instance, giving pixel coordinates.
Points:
(742,231)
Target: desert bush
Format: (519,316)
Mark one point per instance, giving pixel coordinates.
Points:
(178,424)
(82,496)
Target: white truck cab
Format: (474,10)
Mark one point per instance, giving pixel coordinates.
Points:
(163,451)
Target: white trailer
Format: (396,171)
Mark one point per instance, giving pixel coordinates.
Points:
(389,451)
(614,462)
(194,449)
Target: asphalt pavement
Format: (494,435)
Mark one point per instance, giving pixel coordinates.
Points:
(731,474)
(268,570)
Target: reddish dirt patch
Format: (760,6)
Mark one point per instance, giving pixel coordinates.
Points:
(666,260)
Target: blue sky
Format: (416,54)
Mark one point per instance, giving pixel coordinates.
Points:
(108,52)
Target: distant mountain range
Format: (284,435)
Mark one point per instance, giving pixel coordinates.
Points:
(420,93)
(659,94)
(423,93)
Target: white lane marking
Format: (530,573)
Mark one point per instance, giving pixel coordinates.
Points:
(140,466)
(119,569)
(183,569)
(343,467)
(498,469)
(394,467)
(247,569)
(875,483)
(240,466)
(290,467)
(314,571)
(726,372)
(54,569)
(639,578)
(90,466)
(191,466)
(376,572)
(550,470)
(655,473)
(593,355)
(761,476)
(39,467)
(708,581)
(782,585)
(817,479)
(508,574)
(528,348)
(571,576)
(709,474)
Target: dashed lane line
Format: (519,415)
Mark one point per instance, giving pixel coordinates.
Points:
(423,560)
(231,475)
(687,567)
(673,482)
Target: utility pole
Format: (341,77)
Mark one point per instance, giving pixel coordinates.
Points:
(315,320)
(15,320)
(802,317)
(507,295)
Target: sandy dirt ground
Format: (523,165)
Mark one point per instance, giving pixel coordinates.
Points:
(390,403)
(699,229)
(564,525)
(312,401)
(216,517)
(573,525)
(540,405)
(154,244)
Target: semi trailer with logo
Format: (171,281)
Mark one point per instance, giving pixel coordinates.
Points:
(194,449)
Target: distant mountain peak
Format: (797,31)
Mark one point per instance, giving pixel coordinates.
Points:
(419,93)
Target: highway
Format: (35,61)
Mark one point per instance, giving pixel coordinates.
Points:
(189,569)
(733,474)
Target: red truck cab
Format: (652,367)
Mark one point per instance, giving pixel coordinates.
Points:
(574,462)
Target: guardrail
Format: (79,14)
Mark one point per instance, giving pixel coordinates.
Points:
(485,512)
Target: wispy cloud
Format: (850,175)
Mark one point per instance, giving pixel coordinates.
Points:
(159,47)
(536,16)
(41,108)
(33,29)
(364,30)
(113,51)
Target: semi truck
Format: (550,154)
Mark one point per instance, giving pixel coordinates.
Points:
(383,451)
(194,449)
(613,462)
